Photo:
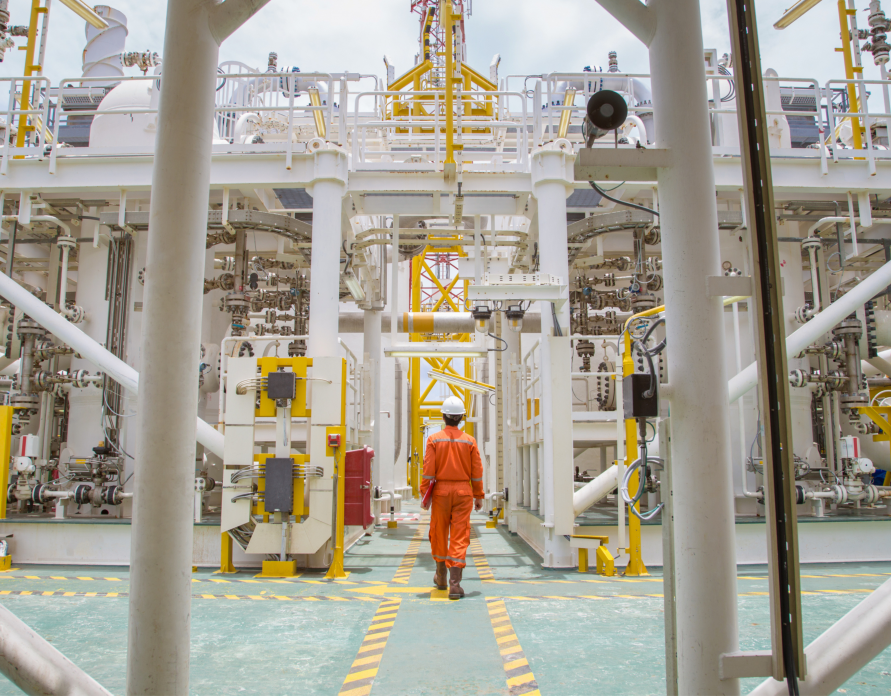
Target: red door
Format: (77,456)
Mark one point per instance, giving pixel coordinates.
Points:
(357,488)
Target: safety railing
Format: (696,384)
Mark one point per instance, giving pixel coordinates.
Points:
(353,395)
(23,91)
(426,131)
(273,106)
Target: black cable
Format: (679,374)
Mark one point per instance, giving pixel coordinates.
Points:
(621,202)
(497,338)
(557,328)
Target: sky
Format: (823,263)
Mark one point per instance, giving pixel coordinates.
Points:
(533,37)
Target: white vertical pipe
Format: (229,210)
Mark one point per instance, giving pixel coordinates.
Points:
(700,418)
(164,480)
(477,252)
(372,347)
(551,186)
(324,288)
(394,282)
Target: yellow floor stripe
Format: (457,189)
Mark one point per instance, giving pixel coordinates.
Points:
(374,640)
(479,557)
(517,672)
(407,564)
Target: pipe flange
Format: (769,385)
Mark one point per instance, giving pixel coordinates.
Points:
(870,495)
(840,493)
(853,400)
(24,401)
(111,496)
(237,300)
(37,493)
(811,243)
(82,493)
(848,326)
(66,241)
(799,378)
(28,327)
(643,301)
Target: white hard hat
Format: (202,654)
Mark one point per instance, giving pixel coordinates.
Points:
(453,406)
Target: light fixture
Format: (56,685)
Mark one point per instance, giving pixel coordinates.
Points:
(514,314)
(795,12)
(84,11)
(354,286)
(481,315)
(435,350)
(462,382)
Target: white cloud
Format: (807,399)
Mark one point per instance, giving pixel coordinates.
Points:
(532,37)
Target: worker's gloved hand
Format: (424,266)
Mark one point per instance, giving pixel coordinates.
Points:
(478,504)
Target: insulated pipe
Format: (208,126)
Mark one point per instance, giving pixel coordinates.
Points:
(844,648)
(821,323)
(428,322)
(90,350)
(595,490)
(38,668)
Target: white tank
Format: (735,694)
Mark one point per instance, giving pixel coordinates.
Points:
(102,54)
(134,129)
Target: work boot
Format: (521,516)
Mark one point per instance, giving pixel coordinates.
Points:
(439,577)
(455,590)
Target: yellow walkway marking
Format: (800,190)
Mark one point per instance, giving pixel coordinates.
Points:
(518,674)
(479,557)
(403,573)
(360,678)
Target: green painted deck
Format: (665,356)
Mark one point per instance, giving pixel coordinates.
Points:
(565,633)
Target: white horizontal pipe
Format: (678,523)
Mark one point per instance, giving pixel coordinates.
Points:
(594,490)
(844,648)
(798,340)
(10,367)
(92,351)
(36,667)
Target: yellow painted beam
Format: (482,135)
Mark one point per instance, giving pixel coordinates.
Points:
(408,78)
(5,447)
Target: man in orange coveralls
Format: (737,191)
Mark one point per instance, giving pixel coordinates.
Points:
(452,460)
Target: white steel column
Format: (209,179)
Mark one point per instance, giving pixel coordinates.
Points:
(327,190)
(534,483)
(161,552)
(372,346)
(552,177)
(702,480)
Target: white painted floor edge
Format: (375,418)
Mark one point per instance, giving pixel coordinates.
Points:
(819,542)
(93,544)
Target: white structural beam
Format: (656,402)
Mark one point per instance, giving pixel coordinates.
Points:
(843,649)
(700,420)
(38,668)
(92,351)
(164,480)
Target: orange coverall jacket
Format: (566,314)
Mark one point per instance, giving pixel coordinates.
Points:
(453,459)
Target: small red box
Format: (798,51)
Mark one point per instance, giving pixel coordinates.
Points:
(357,488)
(334,440)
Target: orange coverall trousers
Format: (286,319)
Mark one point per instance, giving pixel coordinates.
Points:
(450,522)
